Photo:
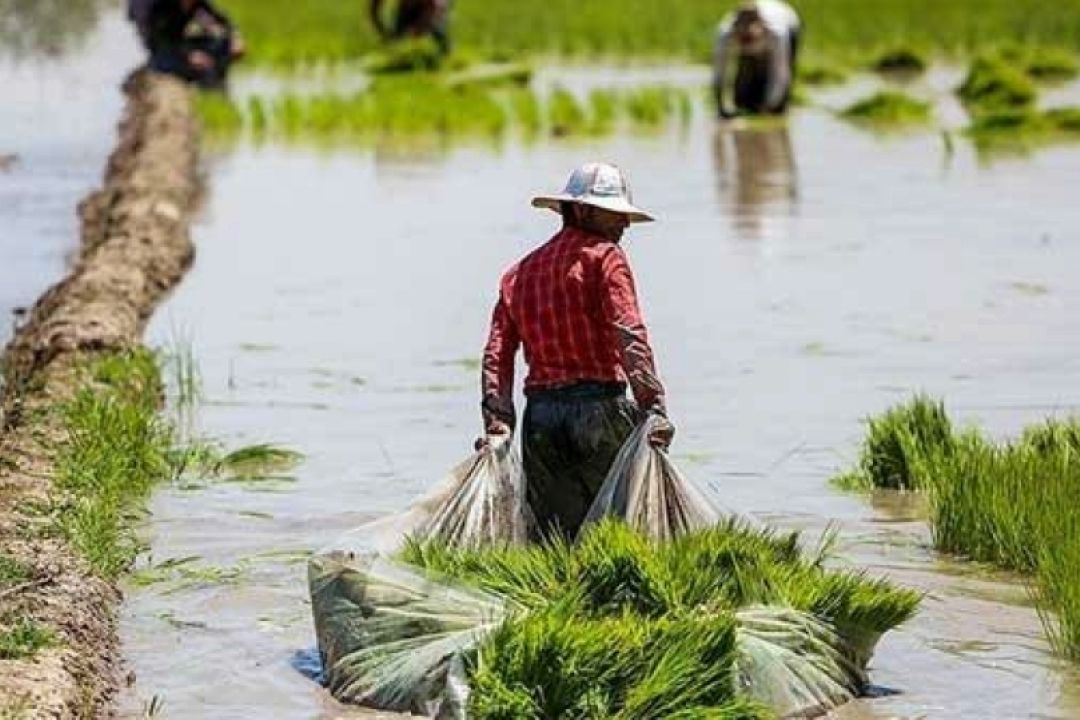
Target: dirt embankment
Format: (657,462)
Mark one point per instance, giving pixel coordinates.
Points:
(135,247)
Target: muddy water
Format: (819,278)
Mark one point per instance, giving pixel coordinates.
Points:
(801,278)
(58,115)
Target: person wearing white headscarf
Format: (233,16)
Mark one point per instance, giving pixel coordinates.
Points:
(762,38)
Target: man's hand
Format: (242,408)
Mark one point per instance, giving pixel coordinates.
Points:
(662,435)
(237,48)
(495,429)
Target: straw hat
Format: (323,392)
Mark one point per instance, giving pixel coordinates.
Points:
(599,185)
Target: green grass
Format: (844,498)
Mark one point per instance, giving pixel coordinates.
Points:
(279,33)
(12,572)
(23,638)
(621,626)
(889,109)
(115,451)
(1010,504)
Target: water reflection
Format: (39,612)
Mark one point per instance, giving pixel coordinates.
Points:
(46,27)
(756,175)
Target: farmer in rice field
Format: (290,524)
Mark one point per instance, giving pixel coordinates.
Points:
(190,39)
(763,36)
(572,304)
(415,18)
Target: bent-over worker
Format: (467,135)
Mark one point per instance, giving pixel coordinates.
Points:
(190,39)
(763,35)
(415,18)
(572,304)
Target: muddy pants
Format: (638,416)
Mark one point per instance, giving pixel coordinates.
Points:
(570,437)
(414,20)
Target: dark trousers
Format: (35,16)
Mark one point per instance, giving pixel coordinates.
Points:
(413,20)
(174,61)
(570,437)
(752,80)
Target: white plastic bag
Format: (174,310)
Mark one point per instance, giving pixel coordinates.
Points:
(644,488)
(392,638)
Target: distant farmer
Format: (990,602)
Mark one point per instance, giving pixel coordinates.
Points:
(415,18)
(573,305)
(190,39)
(762,38)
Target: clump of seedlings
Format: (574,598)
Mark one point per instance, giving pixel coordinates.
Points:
(900,61)
(889,109)
(726,622)
(1011,504)
(1023,128)
(993,84)
(1043,64)
(820,74)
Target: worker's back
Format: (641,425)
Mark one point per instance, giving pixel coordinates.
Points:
(554,298)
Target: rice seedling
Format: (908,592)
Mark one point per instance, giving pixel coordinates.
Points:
(889,109)
(1009,504)
(994,84)
(1024,129)
(809,73)
(258,461)
(896,441)
(23,638)
(281,33)
(651,107)
(625,627)
(565,114)
(900,61)
(1047,65)
(115,451)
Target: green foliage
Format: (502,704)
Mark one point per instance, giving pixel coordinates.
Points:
(621,626)
(115,451)
(993,83)
(566,116)
(1023,129)
(900,60)
(283,33)
(1043,64)
(23,638)
(889,109)
(1010,504)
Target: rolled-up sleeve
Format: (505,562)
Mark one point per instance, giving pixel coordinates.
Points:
(620,306)
(497,373)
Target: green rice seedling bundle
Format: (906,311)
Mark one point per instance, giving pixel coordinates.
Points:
(565,114)
(992,83)
(1023,129)
(820,74)
(887,109)
(900,60)
(725,622)
(1043,64)
(1010,504)
(652,106)
(896,441)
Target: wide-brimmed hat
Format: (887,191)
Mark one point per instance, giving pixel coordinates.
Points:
(599,185)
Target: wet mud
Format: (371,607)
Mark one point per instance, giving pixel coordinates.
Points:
(134,248)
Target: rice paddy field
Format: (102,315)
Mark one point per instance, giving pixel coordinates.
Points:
(807,273)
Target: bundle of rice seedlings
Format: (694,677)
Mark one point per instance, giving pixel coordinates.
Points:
(900,60)
(1043,64)
(992,83)
(896,441)
(889,109)
(818,74)
(730,621)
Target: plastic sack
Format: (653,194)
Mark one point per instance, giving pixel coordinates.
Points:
(392,638)
(644,488)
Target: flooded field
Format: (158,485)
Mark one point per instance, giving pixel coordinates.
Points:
(53,157)
(801,278)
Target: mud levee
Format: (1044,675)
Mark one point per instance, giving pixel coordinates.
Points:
(135,247)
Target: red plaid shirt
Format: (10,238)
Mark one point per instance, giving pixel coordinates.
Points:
(573,305)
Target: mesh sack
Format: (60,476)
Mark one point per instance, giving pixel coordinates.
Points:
(645,489)
(391,637)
